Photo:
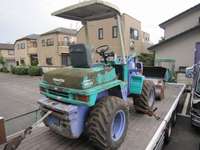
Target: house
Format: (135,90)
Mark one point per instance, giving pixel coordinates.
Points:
(26,50)
(105,32)
(8,53)
(54,47)
(181,33)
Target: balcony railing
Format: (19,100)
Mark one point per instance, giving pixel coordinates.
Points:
(64,43)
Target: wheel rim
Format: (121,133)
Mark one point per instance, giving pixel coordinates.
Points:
(151,98)
(118,125)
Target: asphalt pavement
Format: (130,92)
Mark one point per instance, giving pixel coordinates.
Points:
(18,94)
(184,136)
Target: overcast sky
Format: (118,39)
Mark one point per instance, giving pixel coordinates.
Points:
(22,17)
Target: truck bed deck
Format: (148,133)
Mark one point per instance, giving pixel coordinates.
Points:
(141,129)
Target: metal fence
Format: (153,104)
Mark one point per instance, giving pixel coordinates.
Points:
(21,121)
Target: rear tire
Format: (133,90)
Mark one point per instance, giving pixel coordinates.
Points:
(107,123)
(147,98)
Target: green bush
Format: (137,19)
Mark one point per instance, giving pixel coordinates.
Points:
(35,71)
(147,59)
(20,70)
(4,69)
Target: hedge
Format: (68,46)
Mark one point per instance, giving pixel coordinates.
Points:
(4,69)
(35,71)
(20,70)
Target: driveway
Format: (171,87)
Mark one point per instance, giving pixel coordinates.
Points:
(18,95)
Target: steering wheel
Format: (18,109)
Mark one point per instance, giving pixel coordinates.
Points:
(102,51)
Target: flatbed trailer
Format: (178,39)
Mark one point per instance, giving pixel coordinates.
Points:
(144,132)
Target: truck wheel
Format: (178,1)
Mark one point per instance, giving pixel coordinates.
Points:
(107,123)
(168,132)
(147,99)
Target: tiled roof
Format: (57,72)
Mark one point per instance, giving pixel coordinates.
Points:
(29,37)
(61,30)
(193,9)
(6,46)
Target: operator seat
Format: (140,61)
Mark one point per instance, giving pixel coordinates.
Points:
(80,55)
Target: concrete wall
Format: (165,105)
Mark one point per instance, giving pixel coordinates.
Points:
(182,24)
(181,49)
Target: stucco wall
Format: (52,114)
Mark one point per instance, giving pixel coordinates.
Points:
(182,24)
(181,49)
(48,51)
(21,53)
(93,27)
(54,51)
(5,54)
(107,24)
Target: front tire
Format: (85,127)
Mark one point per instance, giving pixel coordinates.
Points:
(107,123)
(146,100)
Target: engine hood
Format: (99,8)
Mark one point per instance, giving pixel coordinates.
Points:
(78,78)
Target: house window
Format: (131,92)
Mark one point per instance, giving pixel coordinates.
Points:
(66,41)
(50,42)
(43,43)
(22,62)
(114,32)
(22,45)
(65,59)
(100,33)
(17,63)
(34,44)
(34,59)
(49,61)
(134,34)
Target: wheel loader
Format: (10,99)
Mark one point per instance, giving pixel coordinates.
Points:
(92,99)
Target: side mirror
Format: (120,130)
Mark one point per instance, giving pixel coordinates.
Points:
(189,72)
(139,66)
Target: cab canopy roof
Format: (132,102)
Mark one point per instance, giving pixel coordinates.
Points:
(88,11)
